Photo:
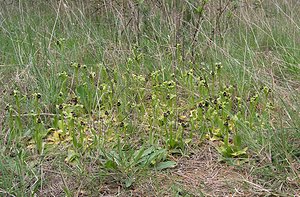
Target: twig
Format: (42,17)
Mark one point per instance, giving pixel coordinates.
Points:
(259,187)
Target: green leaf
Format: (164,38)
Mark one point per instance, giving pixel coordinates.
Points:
(237,141)
(225,150)
(240,152)
(165,165)
(72,156)
(148,151)
(146,155)
(156,156)
(138,155)
(110,165)
(128,182)
(199,9)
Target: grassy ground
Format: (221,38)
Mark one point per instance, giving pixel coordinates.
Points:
(149,98)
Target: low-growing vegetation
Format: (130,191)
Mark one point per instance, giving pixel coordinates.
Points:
(149,98)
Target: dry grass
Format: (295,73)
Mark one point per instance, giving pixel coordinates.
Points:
(202,174)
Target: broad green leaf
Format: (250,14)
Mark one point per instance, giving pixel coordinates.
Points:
(240,152)
(165,165)
(110,165)
(72,156)
(128,182)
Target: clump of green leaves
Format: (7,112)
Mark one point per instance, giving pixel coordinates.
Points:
(129,162)
(171,112)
